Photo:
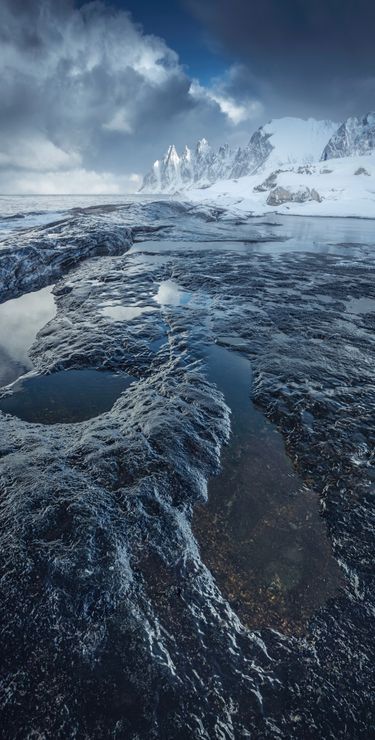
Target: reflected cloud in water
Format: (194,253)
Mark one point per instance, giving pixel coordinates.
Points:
(169,294)
(20,321)
(125,313)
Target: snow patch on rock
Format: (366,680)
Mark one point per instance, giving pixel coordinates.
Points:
(341,191)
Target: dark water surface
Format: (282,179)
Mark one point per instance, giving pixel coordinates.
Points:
(65,397)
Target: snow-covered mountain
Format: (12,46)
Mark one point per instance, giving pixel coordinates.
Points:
(356,136)
(202,166)
(281,141)
(289,165)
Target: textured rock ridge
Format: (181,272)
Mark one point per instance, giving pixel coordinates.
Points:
(356,136)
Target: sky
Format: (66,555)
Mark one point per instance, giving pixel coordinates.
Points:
(92,93)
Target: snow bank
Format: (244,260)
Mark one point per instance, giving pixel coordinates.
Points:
(346,187)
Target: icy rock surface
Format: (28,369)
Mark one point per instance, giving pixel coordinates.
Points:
(40,256)
(356,136)
(112,626)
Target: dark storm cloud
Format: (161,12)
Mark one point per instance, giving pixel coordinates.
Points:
(318,54)
(67,72)
(85,92)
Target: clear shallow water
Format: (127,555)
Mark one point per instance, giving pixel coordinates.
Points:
(65,397)
(284,240)
(260,531)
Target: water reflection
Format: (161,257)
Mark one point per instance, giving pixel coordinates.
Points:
(20,321)
(125,313)
(360,305)
(170,294)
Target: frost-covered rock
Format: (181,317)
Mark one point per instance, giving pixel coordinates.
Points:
(109,610)
(281,195)
(268,183)
(362,171)
(356,136)
(38,257)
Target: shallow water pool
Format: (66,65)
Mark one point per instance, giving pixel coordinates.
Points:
(66,396)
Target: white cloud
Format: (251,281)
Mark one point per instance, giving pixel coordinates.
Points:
(77,181)
(136,179)
(236,110)
(120,122)
(36,152)
(87,99)
(72,81)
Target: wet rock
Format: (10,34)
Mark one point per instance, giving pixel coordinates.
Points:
(48,253)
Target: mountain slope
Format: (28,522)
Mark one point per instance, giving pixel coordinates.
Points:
(356,136)
(283,141)
(294,140)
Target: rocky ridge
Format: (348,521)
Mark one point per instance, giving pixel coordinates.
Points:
(356,136)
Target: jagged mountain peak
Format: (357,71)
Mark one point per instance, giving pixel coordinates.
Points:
(202,146)
(280,141)
(171,155)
